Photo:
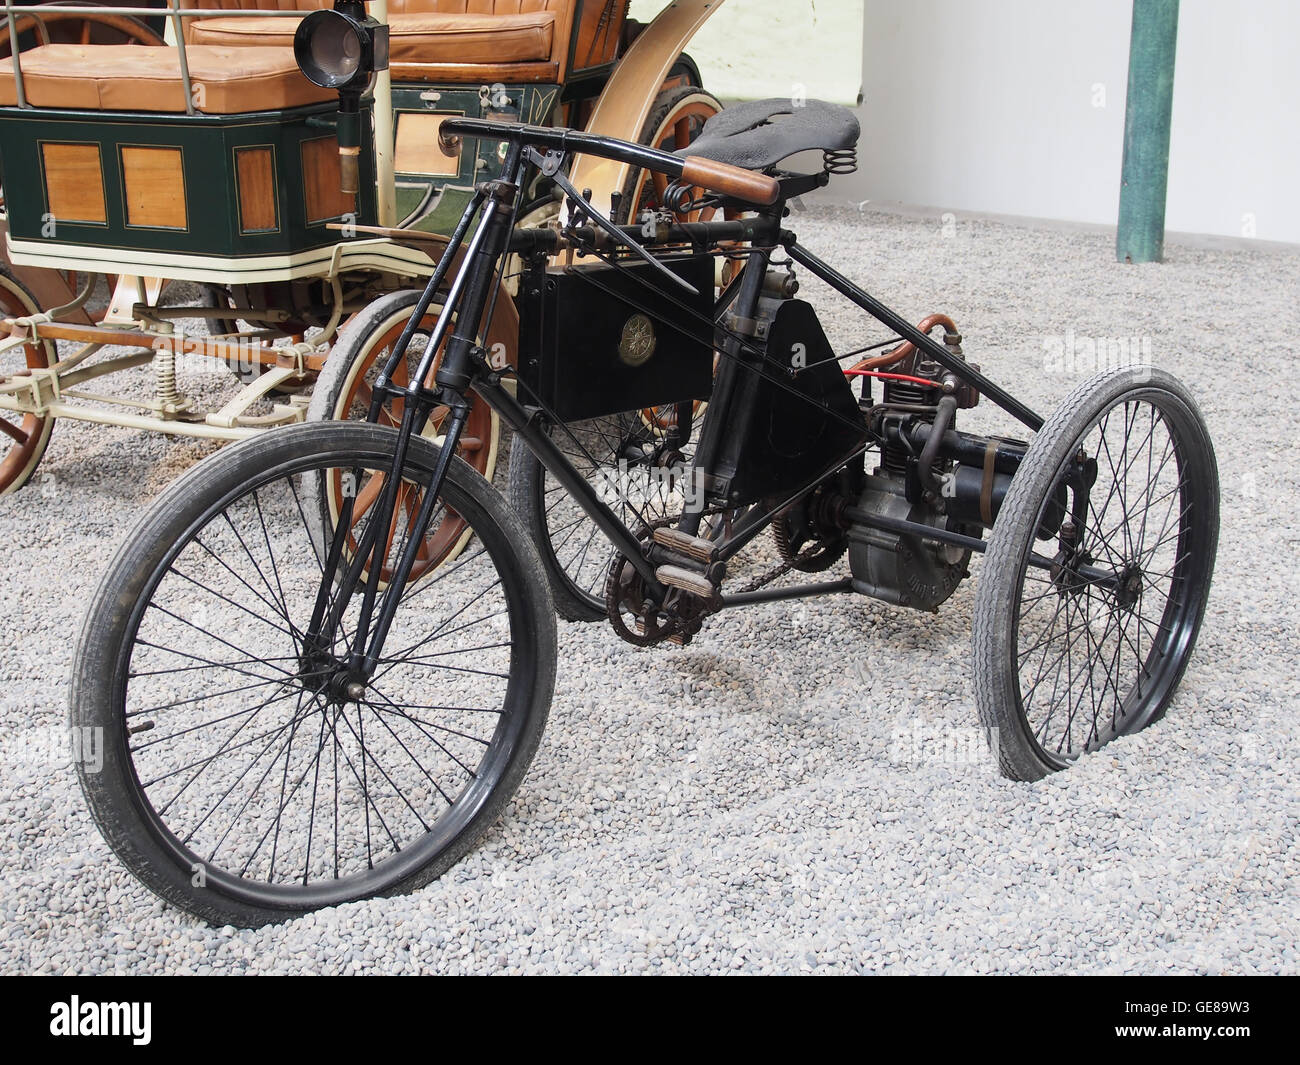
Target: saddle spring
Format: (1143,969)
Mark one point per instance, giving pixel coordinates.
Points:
(840,160)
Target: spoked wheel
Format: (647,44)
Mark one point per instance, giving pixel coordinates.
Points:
(1097,573)
(69,27)
(23,437)
(674,122)
(344,391)
(248,775)
(628,457)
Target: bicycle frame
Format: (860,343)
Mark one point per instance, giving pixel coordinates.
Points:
(464,370)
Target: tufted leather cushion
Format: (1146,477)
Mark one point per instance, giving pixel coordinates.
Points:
(415,38)
(472,41)
(101,77)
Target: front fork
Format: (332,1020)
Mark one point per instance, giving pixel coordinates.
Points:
(466,302)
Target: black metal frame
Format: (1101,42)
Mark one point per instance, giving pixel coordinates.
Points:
(465,370)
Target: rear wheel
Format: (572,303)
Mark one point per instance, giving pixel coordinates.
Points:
(630,460)
(1097,573)
(246,775)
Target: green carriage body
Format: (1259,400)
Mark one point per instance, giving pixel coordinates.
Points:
(245,186)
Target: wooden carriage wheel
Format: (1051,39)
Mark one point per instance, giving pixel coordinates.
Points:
(23,437)
(93,27)
(343,391)
(675,121)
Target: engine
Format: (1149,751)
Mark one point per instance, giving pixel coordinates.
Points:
(918,481)
(930,474)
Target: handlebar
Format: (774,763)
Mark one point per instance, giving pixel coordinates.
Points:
(733,181)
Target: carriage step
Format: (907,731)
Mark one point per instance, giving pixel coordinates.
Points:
(683,543)
(687,581)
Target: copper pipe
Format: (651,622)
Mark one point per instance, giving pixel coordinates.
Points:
(907,348)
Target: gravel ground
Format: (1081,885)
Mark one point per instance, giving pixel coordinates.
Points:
(762,800)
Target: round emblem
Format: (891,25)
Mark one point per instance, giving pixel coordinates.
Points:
(637,343)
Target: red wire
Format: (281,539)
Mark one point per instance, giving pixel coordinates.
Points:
(892,377)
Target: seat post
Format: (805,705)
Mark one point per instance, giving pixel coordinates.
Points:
(731,405)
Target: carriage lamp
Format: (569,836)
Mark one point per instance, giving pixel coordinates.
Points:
(339,49)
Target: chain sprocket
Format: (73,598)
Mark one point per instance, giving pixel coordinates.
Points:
(802,544)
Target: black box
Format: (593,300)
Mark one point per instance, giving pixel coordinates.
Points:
(598,339)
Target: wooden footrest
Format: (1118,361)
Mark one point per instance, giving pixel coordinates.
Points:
(691,546)
(687,581)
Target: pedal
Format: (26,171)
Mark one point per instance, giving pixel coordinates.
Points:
(687,580)
(684,544)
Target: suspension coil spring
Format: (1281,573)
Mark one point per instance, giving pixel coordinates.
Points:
(840,160)
(679,198)
(164,367)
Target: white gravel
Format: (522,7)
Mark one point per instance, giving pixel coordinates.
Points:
(770,799)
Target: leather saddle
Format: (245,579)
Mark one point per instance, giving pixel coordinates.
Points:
(760,134)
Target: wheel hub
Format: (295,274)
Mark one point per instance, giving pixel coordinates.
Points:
(325,674)
(1128,590)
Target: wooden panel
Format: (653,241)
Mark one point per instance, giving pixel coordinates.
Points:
(320,181)
(74,182)
(478,73)
(598,32)
(255,169)
(417,150)
(153,182)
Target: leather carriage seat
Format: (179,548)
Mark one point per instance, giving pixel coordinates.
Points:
(126,77)
(474,41)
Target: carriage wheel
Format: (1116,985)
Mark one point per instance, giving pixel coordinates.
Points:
(23,437)
(93,27)
(343,392)
(675,121)
(1097,573)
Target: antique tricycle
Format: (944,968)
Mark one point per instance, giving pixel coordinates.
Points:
(322,661)
(134,166)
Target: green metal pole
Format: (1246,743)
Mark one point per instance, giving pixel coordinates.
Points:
(1145,172)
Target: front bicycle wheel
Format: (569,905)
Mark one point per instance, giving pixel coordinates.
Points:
(242,779)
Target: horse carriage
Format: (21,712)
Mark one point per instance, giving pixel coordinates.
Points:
(321,662)
(132,166)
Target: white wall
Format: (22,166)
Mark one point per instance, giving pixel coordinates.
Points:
(1234,156)
(751,49)
(1017,107)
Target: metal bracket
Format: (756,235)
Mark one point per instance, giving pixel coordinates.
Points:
(231,414)
(748,327)
(548,162)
